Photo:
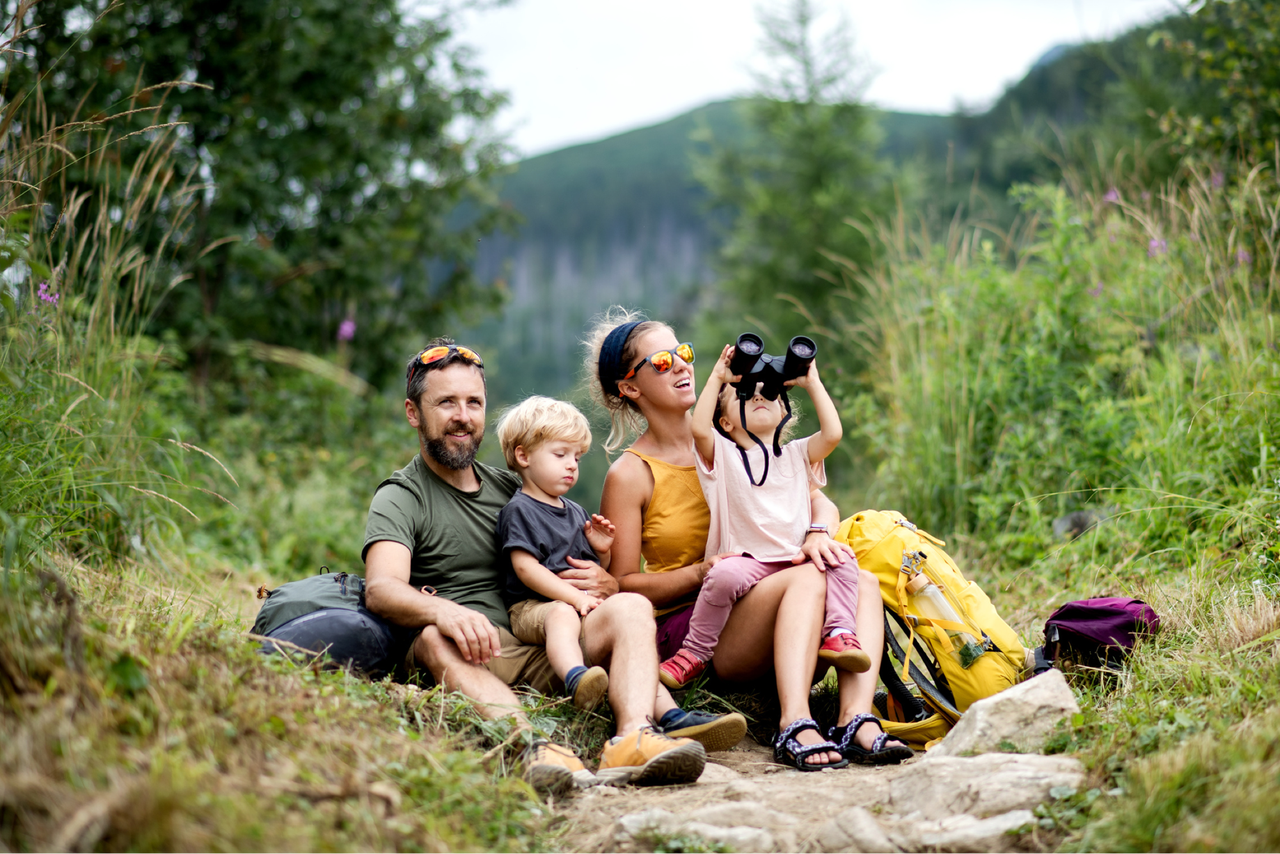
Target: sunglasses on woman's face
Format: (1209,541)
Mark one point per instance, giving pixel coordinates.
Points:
(665,360)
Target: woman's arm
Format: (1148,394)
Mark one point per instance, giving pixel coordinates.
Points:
(819,548)
(627,489)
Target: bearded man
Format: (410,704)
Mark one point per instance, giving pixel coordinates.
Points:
(433,567)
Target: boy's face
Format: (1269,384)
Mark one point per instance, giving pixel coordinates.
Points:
(551,469)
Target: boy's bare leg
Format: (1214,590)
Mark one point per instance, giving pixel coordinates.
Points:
(562,628)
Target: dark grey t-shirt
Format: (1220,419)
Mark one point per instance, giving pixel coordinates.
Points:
(449,533)
(551,534)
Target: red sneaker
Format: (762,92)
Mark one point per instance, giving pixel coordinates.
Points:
(844,651)
(682,668)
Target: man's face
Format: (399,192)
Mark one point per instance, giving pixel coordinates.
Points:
(450,417)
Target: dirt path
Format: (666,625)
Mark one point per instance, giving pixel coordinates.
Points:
(746,802)
(743,786)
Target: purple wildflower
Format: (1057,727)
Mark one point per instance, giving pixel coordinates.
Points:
(1096,290)
(1113,196)
(1156,247)
(346,330)
(1243,257)
(1217,179)
(44,294)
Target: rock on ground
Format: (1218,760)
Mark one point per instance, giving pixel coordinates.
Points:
(937,804)
(985,785)
(1024,716)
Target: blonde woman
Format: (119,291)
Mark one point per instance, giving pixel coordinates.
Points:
(643,376)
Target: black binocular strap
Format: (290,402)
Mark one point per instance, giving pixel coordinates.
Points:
(777,436)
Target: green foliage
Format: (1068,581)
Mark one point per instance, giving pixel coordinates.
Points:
(1097,369)
(325,146)
(807,168)
(1233,50)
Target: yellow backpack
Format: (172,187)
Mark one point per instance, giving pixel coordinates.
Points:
(885,542)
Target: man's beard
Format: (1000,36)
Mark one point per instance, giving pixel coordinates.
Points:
(445,451)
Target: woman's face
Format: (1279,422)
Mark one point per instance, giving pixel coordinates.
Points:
(673,390)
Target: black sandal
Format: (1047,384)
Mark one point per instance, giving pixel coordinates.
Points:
(881,752)
(788,751)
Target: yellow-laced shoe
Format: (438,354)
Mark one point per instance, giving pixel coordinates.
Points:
(554,770)
(647,757)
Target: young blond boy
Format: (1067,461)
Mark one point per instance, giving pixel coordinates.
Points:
(540,530)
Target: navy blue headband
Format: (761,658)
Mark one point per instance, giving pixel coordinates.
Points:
(610,368)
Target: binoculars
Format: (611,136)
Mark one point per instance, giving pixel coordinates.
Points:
(756,366)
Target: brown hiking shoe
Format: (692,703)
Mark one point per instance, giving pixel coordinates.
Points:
(554,770)
(647,757)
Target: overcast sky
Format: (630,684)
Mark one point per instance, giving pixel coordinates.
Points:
(579,70)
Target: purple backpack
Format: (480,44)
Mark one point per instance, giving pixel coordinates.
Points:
(1097,632)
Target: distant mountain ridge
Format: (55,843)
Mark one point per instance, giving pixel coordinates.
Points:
(623,221)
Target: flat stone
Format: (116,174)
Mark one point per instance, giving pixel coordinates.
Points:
(714,772)
(1022,717)
(742,813)
(651,821)
(959,832)
(982,786)
(856,830)
(734,838)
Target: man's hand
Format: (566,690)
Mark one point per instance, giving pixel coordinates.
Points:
(587,576)
(476,637)
(599,531)
(820,549)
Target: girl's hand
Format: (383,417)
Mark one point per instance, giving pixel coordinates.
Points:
(720,371)
(600,532)
(809,379)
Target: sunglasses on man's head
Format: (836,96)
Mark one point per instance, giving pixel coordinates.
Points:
(665,360)
(435,354)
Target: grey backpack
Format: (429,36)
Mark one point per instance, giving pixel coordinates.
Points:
(288,601)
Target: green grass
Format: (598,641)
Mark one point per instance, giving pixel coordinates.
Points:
(1119,355)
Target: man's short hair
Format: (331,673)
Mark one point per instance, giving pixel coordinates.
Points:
(415,372)
(538,420)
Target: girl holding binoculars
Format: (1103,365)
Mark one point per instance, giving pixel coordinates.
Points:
(653,496)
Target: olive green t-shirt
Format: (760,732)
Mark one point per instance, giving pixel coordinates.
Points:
(449,533)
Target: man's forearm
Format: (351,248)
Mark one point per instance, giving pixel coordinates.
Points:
(398,602)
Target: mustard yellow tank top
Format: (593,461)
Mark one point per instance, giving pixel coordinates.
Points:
(676,521)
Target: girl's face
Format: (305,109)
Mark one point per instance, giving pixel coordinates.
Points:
(763,416)
(672,390)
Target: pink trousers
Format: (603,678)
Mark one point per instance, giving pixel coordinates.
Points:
(730,579)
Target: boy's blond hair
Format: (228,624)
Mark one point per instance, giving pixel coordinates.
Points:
(538,420)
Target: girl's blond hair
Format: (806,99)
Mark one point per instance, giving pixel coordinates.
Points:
(625,419)
(537,420)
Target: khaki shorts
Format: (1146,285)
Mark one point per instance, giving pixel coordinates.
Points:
(520,663)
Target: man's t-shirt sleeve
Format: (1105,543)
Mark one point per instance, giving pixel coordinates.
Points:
(392,516)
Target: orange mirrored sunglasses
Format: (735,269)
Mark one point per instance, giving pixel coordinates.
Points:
(435,354)
(665,360)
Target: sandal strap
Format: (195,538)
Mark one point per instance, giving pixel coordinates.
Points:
(849,730)
(795,727)
(787,740)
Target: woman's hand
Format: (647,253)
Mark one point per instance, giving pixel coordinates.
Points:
(590,578)
(822,551)
(705,566)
